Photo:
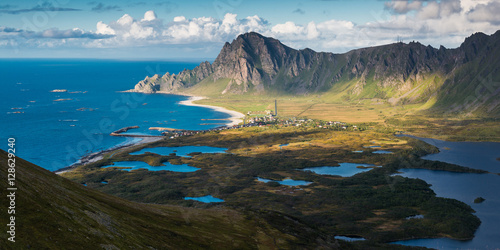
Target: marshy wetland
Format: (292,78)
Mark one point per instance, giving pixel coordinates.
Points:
(372,204)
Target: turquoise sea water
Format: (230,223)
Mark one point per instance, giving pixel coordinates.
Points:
(55,129)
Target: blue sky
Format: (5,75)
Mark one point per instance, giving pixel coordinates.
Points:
(198,29)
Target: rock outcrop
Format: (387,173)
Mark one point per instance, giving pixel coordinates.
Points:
(398,73)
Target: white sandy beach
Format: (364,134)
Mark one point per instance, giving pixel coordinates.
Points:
(236,117)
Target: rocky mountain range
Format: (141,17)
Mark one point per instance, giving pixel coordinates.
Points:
(464,78)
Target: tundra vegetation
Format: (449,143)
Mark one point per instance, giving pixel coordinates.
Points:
(374,205)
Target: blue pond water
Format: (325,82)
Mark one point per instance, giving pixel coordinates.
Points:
(204,199)
(55,134)
(382,152)
(286,182)
(181,151)
(345,169)
(133,165)
(418,216)
(349,239)
(465,187)
(358,151)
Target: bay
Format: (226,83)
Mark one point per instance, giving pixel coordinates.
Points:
(59,110)
(465,187)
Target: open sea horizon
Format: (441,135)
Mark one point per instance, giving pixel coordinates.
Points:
(54,129)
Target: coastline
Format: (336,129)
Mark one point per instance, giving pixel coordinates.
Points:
(97,156)
(235,118)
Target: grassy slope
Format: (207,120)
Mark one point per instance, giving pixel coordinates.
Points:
(337,104)
(461,105)
(55,213)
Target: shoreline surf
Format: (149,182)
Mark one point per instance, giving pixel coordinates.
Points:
(235,118)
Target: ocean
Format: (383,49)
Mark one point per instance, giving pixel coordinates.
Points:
(59,110)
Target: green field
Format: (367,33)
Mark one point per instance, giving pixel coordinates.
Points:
(411,118)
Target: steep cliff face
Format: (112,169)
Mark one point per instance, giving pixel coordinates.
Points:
(172,82)
(399,72)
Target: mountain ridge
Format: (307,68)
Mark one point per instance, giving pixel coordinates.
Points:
(398,73)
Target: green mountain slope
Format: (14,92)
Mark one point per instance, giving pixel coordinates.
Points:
(55,213)
(442,79)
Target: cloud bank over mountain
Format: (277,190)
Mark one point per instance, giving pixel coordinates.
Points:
(431,22)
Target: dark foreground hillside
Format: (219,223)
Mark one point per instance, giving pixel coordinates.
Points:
(55,213)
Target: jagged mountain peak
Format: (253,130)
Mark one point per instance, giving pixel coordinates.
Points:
(398,72)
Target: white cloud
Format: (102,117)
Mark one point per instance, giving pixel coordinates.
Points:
(179,19)
(287,28)
(139,32)
(489,12)
(125,20)
(229,19)
(445,22)
(403,7)
(429,11)
(430,22)
(149,16)
(103,28)
(336,26)
(312,31)
(468,5)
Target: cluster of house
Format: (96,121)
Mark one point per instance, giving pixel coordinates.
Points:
(268,121)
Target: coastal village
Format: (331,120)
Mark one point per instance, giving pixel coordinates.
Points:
(269,120)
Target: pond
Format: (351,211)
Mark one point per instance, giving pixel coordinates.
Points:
(181,151)
(465,187)
(134,165)
(418,216)
(204,199)
(286,182)
(345,169)
(349,239)
(382,152)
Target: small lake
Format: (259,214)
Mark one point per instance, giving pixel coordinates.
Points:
(465,187)
(204,199)
(134,165)
(181,151)
(345,169)
(286,182)
(382,152)
(349,239)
